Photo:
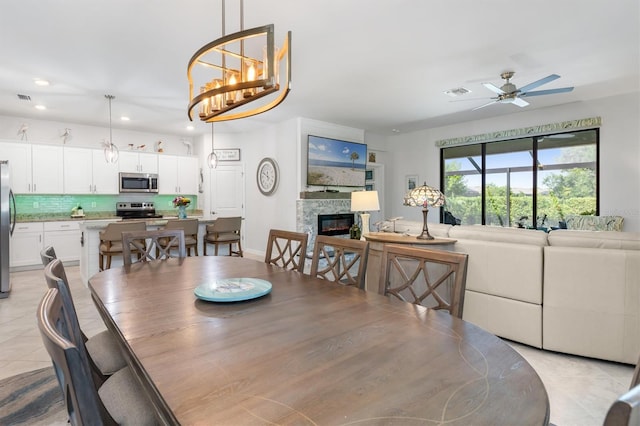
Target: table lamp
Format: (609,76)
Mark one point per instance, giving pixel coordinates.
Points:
(424,196)
(363,202)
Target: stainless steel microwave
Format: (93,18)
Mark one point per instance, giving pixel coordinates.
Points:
(138,182)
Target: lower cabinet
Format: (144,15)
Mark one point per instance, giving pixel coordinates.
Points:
(65,239)
(26,243)
(30,238)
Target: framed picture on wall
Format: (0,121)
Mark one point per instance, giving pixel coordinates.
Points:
(368,174)
(412,182)
(228,154)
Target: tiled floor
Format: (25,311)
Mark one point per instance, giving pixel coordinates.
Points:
(580,390)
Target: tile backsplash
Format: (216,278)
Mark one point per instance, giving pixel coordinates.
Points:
(62,204)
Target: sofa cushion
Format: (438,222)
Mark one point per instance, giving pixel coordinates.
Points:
(595,239)
(499,234)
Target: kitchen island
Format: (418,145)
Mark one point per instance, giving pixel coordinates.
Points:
(90,241)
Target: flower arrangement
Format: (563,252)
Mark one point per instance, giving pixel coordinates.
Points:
(181,201)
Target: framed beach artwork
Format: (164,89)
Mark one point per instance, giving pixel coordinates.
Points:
(412,182)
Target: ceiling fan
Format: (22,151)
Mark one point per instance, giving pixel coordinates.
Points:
(510,94)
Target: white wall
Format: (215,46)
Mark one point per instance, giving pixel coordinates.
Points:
(416,153)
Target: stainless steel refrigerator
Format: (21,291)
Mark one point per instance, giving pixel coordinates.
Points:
(7,223)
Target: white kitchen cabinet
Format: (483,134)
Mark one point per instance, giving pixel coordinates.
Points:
(46,168)
(34,169)
(177,175)
(86,171)
(26,244)
(64,236)
(19,156)
(137,162)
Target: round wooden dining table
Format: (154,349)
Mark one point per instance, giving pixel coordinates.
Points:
(309,352)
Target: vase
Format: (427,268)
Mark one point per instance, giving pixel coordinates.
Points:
(182,212)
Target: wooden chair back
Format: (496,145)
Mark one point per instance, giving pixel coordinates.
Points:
(432,278)
(47,254)
(152,245)
(340,260)
(72,370)
(287,249)
(625,411)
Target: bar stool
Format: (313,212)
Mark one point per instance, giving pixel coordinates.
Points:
(111,240)
(225,230)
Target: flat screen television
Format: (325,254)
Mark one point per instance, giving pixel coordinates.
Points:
(333,162)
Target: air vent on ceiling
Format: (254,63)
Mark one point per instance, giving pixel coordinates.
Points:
(458,91)
(24,97)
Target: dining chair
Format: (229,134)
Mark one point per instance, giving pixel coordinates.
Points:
(286,249)
(190,227)
(152,245)
(47,254)
(224,231)
(111,240)
(432,278)
(104,355)
(119,400)
(625,411)
(340,260)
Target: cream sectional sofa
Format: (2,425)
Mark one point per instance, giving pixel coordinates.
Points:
(570,291)
(591,301)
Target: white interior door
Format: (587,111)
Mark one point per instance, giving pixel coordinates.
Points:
(227,191)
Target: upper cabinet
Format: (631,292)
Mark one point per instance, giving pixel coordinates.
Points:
(138,162)
(178,175)
(35,169)
(19,156)
(87,172)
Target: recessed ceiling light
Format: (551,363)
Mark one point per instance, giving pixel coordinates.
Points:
(40,82)
(189,127)
(123,118)
(395,130)
(457,91)
(41,107)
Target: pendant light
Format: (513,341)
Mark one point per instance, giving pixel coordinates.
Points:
(111,152)
(212,159)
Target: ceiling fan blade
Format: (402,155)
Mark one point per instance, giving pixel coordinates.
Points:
(540,82)
(520,102)
(493,88)
(548,92)
(482,106)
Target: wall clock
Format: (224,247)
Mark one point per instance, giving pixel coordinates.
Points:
(267,176)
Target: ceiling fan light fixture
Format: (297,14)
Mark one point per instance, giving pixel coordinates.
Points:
(236,70)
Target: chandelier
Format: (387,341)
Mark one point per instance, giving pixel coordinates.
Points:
(237,70)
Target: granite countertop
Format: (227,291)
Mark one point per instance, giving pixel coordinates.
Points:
(107,216)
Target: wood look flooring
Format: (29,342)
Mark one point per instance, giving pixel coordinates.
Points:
(580,389)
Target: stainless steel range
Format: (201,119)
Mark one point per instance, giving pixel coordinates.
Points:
(136,210)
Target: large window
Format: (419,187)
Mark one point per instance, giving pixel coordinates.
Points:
(532,182)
